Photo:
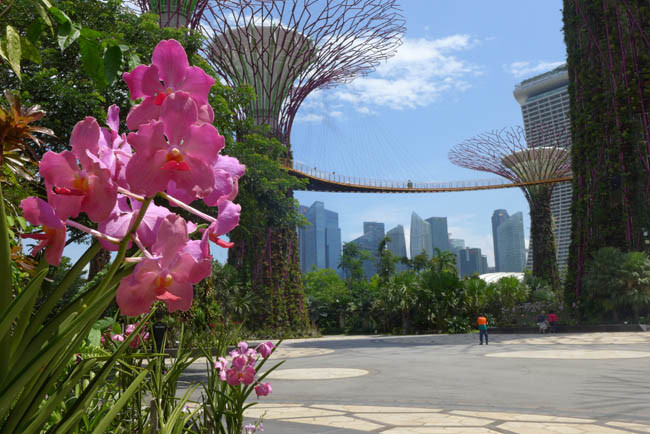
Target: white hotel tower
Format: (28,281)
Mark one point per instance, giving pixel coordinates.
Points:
(544,101)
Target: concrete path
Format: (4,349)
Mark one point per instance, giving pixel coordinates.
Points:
(582,383)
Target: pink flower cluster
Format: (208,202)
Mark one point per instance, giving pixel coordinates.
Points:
(242,367)
(172,150)
(142,337)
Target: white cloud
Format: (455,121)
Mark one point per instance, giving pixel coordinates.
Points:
(309,117)
(522,69)
(419,73)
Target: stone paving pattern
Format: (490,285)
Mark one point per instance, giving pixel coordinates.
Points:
(564,383)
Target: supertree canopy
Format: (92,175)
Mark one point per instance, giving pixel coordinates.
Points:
(608,57)
(287,49)
(542,158)
(175,13)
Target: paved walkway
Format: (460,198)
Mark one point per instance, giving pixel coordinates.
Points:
(582,383)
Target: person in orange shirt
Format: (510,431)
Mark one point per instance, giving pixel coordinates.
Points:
(482,327)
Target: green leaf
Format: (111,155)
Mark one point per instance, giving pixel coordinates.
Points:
(92,62)
(112,63)
(10,220)
(29,51)
(91,34)
(60,16)
(13,49)
(134,60)
(3,49)
(104,323)
(22,222)
(43,14)
(68,33)
(34,31)
(18,303)
(117,328)
(94,337)
(103,425)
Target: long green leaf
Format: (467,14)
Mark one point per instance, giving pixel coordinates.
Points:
(77,410)
(5,257)
(18,304)
(117,407)
(13,50)
(35,423)
(112,63)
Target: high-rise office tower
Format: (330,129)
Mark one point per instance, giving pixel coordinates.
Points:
(373,233)
(471,261)
(511,253)
(455,246)
(320,242)
(397,245)
(544,101)
(498,216)
(420,237)
(439,234)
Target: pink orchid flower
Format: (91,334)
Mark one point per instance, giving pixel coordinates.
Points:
(71,190)
(169,72)
(227,220)
(114,151)
(123,215)
(168,276)
(263,389)
(235,377)
(38,212)
(174,149)
(265,349)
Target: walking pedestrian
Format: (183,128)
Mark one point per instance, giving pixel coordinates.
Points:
(482,328)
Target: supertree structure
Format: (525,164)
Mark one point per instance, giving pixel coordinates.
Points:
(608,52)
(543,157)
(175,13)
(284,50)
(287,49)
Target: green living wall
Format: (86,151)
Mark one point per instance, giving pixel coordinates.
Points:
(608,54)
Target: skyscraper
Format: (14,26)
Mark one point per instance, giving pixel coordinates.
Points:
(455,246)
(511,254)
(471,261)
(320,243)
(397,245)
(439,234)
(544,101)
(373,233)
(420,237)
(498,216)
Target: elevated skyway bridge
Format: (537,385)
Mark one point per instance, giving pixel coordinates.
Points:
(320,180)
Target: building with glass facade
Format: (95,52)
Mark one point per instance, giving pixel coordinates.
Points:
(544,101)
(471,261)
(498,217)
(420,237)
(511,253)
(373,233)
(439,234)
(320,242)
(397,245)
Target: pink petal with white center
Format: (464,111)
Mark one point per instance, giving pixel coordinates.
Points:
(85,138)
(142,82)
(170,58)
(198,83)
(203,142)
(178,112)
(143,113)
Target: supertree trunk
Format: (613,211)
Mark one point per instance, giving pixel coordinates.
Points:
(543,237)
(607,47)
(269,258)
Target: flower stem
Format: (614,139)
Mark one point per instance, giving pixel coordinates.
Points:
(188,208)
(126,192)
(92,232)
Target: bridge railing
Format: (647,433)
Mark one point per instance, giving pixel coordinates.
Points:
(334,177)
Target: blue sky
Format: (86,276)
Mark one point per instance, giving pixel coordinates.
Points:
(451,79)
